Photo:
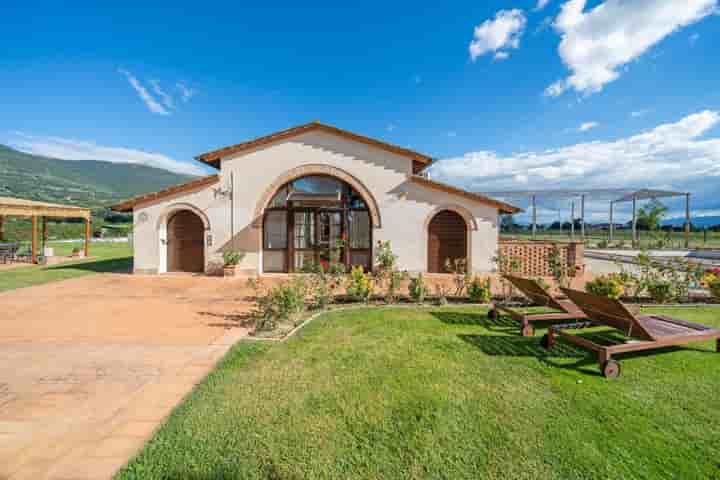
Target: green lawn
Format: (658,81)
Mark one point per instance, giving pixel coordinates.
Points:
(441,393)
(105,257)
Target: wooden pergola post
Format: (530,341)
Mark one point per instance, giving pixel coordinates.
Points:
(34,240)
(87,237)
(44,233)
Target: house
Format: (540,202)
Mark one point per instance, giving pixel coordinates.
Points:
(286,200)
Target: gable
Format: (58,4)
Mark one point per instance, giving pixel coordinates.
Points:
(213,158)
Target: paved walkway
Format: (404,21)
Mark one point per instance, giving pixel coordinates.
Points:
(90,367)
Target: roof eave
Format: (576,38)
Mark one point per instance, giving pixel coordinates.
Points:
(130,204)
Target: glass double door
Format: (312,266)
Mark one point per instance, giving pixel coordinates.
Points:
(317,236)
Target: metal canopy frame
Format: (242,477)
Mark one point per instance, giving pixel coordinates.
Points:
(613,195)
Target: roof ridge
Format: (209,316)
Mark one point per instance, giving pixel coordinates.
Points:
(213,157)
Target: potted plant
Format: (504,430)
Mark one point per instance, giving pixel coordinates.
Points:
(231,259)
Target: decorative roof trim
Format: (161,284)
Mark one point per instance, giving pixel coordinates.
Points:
(213,157)
(502,206)
(128,205)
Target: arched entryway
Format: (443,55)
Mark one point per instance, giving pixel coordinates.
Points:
(316,220)
(185,242)
(447,239)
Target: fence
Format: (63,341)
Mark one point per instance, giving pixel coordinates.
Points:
(622,238)
(532,258)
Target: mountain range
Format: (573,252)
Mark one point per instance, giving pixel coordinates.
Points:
(697,222)
(87,183)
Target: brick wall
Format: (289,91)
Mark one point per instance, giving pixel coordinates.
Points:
(532,257)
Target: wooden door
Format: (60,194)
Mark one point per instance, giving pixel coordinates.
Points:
(447,239)
(185,243)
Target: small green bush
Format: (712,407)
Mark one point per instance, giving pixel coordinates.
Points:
(479,290)
(714,288)
(232,258)
(359,285)
(660,290)
(610,286)
(285,302)
(417,289)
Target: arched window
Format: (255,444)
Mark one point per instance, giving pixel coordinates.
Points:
(316,220)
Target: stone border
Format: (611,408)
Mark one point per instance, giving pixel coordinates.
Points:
(315,315)
(355,307)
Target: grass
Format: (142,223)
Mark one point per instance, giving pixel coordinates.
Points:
(441,393)
(105,257)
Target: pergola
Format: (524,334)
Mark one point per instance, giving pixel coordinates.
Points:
(613,195)
(17,207)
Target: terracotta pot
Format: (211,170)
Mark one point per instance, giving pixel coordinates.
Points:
(229,270)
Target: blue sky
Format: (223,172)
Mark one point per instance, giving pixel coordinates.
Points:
(507,95)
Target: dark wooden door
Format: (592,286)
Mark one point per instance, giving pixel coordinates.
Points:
(447,239)
(185,243)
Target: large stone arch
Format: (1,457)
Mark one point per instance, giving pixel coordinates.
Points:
(317,169)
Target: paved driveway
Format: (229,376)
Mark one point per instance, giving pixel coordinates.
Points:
(89,367)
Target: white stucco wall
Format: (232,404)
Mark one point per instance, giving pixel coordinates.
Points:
(405,207)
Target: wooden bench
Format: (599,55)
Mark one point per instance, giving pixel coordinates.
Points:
(566,309)
(644,332)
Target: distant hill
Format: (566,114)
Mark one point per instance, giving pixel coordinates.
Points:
(698,222)
(88,183)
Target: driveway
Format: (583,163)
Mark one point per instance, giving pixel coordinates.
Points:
(90,367)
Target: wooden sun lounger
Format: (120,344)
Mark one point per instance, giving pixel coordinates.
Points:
(566,309)
(648,332)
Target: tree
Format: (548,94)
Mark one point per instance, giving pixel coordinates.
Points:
(507,223)
(650,216)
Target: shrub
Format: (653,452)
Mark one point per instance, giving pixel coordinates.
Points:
(479,290)
(359,284)
(385,259)
(461,277)
(418,289)
(442,293)
(232,258)
(660,290)
(610,286)
(714,287)
(285,302)
(386,273)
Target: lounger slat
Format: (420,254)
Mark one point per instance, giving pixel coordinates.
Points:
(609,312)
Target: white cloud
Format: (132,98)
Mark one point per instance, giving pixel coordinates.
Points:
(498,35)
(501,56)
(166,99)
(72,149)
(597,44)
(541,4)
(186,93)
(584,127)
(150,102)
(670,156)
